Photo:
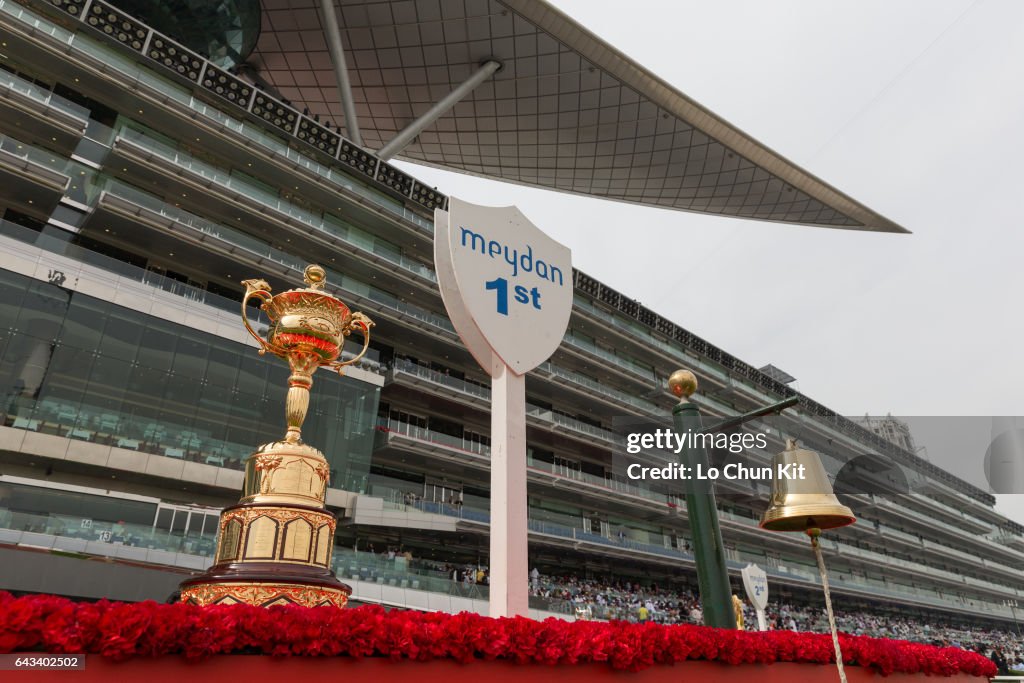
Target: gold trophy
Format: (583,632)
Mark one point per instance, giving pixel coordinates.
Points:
(275,544)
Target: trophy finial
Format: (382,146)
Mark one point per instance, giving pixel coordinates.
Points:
(315,276)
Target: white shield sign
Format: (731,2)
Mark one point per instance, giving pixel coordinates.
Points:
(756,583)
(506,285)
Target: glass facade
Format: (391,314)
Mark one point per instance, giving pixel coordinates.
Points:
(225,31)
(87,369)
(93,515)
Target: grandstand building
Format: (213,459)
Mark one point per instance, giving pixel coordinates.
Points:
(147,166)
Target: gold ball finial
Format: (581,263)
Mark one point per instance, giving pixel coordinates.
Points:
(682,383)
(314,275)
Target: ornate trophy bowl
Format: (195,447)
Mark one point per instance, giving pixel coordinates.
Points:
(275,545)
(308,320)
(308,329)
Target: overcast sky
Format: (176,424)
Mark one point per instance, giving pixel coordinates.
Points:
(914,108)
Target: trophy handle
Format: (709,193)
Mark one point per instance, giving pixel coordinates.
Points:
(258,289)
(358,319)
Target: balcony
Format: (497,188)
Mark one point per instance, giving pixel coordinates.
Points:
(469,452)
(473,394)
(549,532)
(588,349)
(960,535)
(79,52)
(331,233)
(1010,540)
(951,516)
(415,375)
(25,106)
(32,175)
(138,205)
(871,559)
(469,393)
(594,389)
(893,535)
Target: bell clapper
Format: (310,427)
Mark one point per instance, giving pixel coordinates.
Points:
(814,532)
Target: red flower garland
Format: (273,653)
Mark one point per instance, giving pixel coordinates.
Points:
(122,630)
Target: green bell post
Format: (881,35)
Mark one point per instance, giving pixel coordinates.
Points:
(709,553)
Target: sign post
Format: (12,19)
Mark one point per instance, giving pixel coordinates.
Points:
(509,561)
(755,581)
(507,288)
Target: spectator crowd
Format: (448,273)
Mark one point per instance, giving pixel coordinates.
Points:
(594,599)
(607,599)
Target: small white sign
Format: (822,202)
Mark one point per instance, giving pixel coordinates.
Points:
(755,581)
(506,285)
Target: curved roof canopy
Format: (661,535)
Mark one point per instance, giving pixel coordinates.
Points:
(566,111)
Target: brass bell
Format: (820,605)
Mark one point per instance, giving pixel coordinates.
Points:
(807,501)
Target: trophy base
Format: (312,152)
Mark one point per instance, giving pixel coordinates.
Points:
(265,585)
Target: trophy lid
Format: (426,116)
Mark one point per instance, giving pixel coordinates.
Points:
(315,278)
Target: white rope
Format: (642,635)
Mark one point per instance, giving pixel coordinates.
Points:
(828,607)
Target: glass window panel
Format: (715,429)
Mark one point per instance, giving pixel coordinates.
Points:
(28,362)
(163,518)
(252,374)
(14,288)
(248,409)
(195,523)
(10,381)
(38,500)
(121,335)
(43,309)
(222,367)
(156,347)
(214,398)
(181,395)
(210,419)
(190,356)
(64,387)
(84,322)
(143,381)
(212,526)
(108,382)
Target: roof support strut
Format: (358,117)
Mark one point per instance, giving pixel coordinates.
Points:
(409,133)
(337,49)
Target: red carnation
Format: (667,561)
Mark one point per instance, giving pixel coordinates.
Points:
(120,631)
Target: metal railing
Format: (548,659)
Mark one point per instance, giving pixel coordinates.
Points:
(332,226)
(43,96)
(137,76)
(35,155)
